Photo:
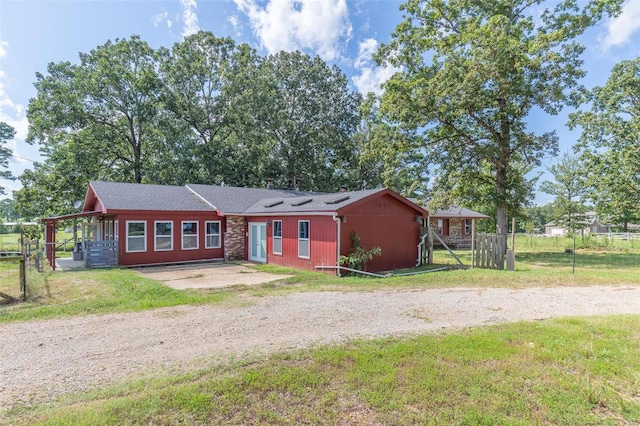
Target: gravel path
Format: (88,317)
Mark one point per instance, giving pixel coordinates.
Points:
(44,359)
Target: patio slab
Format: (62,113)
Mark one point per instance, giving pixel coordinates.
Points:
(207,276)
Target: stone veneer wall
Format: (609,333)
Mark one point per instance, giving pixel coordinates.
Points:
(455,227)
(456,236)
(234,238)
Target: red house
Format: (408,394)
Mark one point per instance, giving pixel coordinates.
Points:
(139,224)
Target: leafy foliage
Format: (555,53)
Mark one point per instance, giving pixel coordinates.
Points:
(535,219)
(205,111)
(569,189)
(7,133)
(473,71)
(103,110)
(204,78)
(358,256)
(8,210)
(302,116)
(610,143)
(31,232)
(386,155)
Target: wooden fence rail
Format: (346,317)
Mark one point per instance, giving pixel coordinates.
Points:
(490,251)
(100,254)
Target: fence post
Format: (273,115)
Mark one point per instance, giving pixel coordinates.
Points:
(23,278)
(574,254)
(473,243)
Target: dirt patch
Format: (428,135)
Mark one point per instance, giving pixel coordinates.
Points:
(207,276)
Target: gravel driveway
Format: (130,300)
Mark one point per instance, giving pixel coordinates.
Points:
(44,359)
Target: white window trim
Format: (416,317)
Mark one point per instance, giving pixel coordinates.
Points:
(155,235)
(274,237)
(308,239)
(207,235)
(144,237)
(467,227)
(115,230)
(197,235)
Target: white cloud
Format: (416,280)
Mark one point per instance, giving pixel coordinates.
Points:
(318,25)
(371,76)
(235,23)
(189,17)
(621,28)
(12,113)
(233,20)
(162,18)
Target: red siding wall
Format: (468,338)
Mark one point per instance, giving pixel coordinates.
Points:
(177,254)
(322,236)
(387,223)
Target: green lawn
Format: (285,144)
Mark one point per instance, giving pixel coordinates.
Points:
(540,262)
(565,371)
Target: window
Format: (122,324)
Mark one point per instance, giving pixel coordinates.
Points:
(136,236)
(189,235)
(277,237)
(467,226)
(440,227)
(303,238)
(212,239)
(108,230)
(115,230)
(164,236)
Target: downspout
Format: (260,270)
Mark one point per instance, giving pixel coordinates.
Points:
(338,221)
(421,243)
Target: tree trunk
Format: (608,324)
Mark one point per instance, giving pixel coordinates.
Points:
(501,204)
(137,163)
(501,219)
(502,165)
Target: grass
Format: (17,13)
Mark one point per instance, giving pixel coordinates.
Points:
(55,295)
(63,294)
(566,371)
(9,242)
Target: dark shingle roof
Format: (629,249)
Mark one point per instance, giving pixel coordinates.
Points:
(230,199)
(226,199)
(131,196)
(309,202)
(460,212)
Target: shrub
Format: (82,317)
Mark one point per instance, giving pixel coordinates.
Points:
(358,256)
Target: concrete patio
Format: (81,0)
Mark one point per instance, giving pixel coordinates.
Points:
(199,275)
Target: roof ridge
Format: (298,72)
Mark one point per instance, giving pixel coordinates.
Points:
(200,197)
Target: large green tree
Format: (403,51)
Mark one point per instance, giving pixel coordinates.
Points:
(610,143)
(302,114)
(383,155)
(54,186)
(569,188)
(8,210)
(474,70)
(204,79)
(536,217)
(108,104)
(7,133)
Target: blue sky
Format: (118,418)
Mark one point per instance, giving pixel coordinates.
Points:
(343,32)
